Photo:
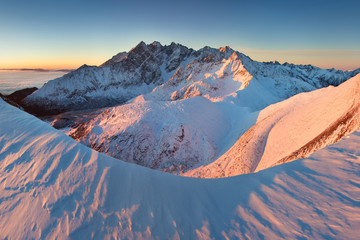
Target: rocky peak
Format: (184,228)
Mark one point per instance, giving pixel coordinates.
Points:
(208,54)
(139,48)
(156,43)
(169,49)
(176,54)
(153,64)
(137,56)
(234,56)
(155,47)
(226,50)
(115,59)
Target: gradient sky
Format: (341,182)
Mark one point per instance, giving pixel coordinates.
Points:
(67,34)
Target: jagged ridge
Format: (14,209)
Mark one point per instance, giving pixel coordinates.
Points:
(145,67)
(290,130)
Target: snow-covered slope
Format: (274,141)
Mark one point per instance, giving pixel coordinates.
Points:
(192,108)
(125,76)
(290,130)
(164,135)
(53,187)
(203,138)
(184,73)
(232,76)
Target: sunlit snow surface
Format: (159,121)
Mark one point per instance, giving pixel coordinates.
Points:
(51,186)
(199,138)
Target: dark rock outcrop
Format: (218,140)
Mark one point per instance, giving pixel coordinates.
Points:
(19,95)
(146,66)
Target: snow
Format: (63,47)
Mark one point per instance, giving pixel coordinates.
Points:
(123,77)
(176,72)
(206,113)
(235,131)
(291,129)
(53,187)
(169,136)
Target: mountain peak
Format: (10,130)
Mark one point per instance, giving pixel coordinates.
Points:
(156,43)
(225,49)
(140,45)
(151,65)
(115,59)
(139,49)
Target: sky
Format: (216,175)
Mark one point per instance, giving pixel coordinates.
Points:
(62,34)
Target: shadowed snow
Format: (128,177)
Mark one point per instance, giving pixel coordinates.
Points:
(53,187)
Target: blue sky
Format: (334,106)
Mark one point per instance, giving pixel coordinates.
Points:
(66,34)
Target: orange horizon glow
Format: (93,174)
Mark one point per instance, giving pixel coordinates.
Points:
(338,59)
(55,66)
(70,62)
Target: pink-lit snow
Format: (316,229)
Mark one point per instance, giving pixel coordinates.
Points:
(53,187)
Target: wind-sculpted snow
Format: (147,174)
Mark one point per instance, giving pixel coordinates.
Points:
(53,187)
(290,130)
(178,72)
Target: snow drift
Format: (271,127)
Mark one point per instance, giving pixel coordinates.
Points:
(53,187)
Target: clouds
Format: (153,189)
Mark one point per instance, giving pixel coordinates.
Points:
(11,81)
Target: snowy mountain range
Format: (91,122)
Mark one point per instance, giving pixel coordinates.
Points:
(202,138)
(178,72)
(205,113)
(291,129)
(124,76)
(210,113)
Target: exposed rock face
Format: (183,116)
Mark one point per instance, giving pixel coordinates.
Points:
(121,78)
(145,130)
(115,59)
(9,101)
(145,67)
(19,95)
(202,113)
(16,97)
(183,136)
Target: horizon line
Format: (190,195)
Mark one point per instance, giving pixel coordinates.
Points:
(38,69)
